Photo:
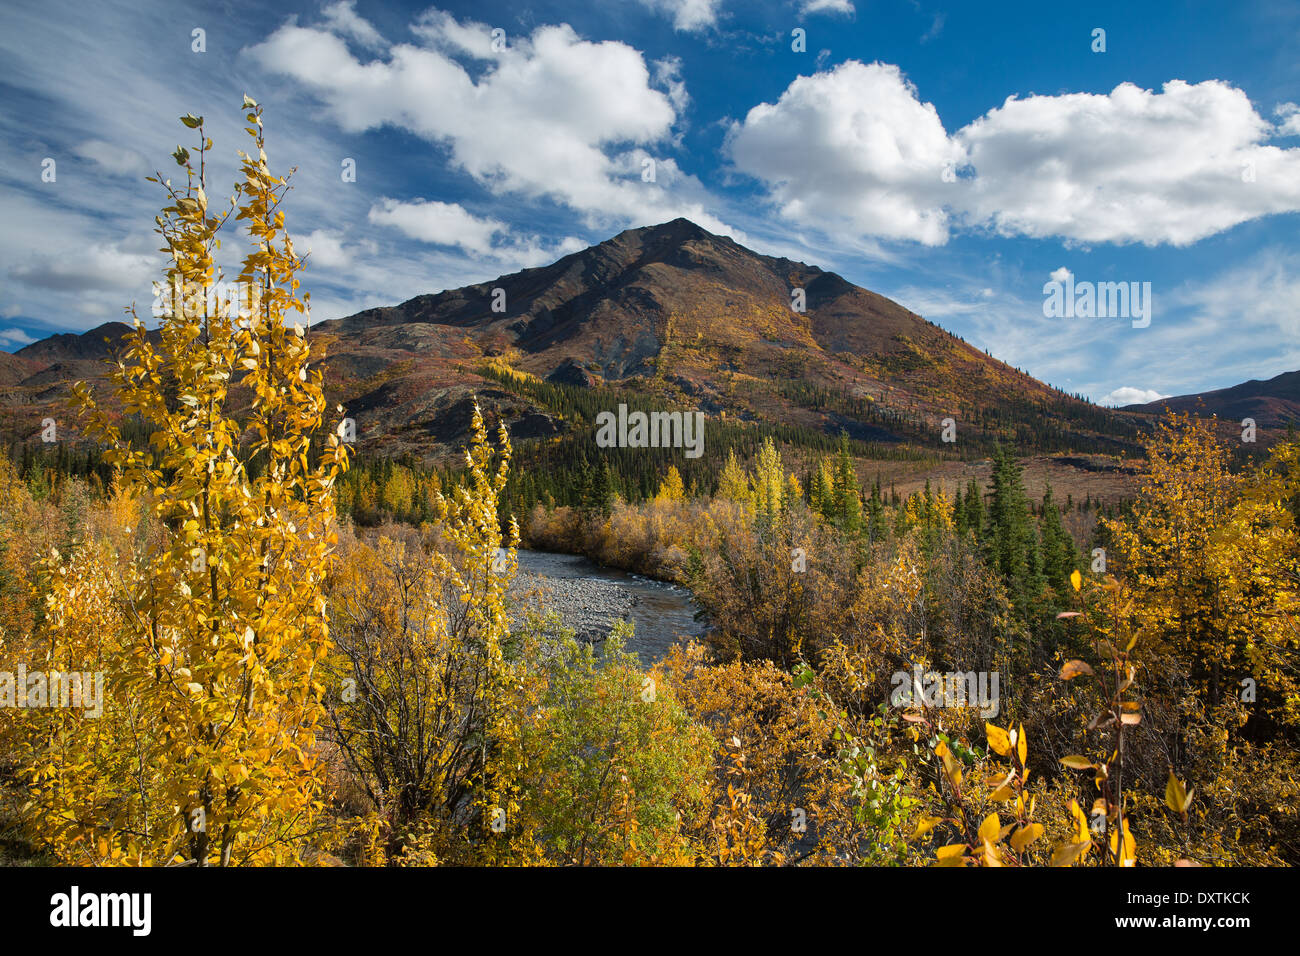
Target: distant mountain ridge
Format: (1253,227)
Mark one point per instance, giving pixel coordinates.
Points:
(1273,403)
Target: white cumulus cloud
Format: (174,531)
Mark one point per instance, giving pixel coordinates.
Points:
(328,250)
(1128,395)
(851,149)
(102,267)
(548,116)
(444,224)
(826,6)
(343,19)
(14,338)
(1129,166)
(450,224)
(855,150)
(1288,115)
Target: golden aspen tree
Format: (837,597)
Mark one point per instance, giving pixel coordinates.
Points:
(1258,560)
(482,577)
(16,598)
(732,484)
(671,488)
(18,613)
(767,483)
(220,626)
(1168,547)
(793,490)
(398,492)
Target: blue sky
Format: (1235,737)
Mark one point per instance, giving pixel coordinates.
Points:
(951,156)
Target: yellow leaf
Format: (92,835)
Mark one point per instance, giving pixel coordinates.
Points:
(1081,821)
(989,828)
(1128,853)
(1076,579)
(1025,836)
(951,855)
(999,742)
(1067,853)
(1073,669)
(1177,797)
(1075,762)
(925,825)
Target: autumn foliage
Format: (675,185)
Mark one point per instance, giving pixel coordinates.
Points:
(283,686)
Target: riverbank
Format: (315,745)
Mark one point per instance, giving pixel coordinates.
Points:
(591,600)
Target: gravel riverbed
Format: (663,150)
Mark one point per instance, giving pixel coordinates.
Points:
(590,600)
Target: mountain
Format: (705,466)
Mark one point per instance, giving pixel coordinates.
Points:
(70,347)
(13,370)
(670,314)
(699,320)
(1272,404)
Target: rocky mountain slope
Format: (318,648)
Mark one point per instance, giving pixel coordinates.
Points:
(669,313)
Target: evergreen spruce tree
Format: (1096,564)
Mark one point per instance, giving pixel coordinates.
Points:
(1060,556)
(602,490)
(876,527)
(821,493)
(845,493)
(1012,543)
(970,514)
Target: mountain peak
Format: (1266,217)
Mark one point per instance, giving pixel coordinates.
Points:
(681,226)
(674,232)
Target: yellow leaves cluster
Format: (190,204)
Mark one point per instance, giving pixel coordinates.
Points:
(671,488)
(1002,742)
(436,725)
(211,638)
(993,843)
(1074,849)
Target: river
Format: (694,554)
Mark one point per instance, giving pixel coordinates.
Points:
(590,599)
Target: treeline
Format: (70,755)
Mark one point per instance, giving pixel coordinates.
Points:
(571,471)
(1025,542)
(1033,425)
